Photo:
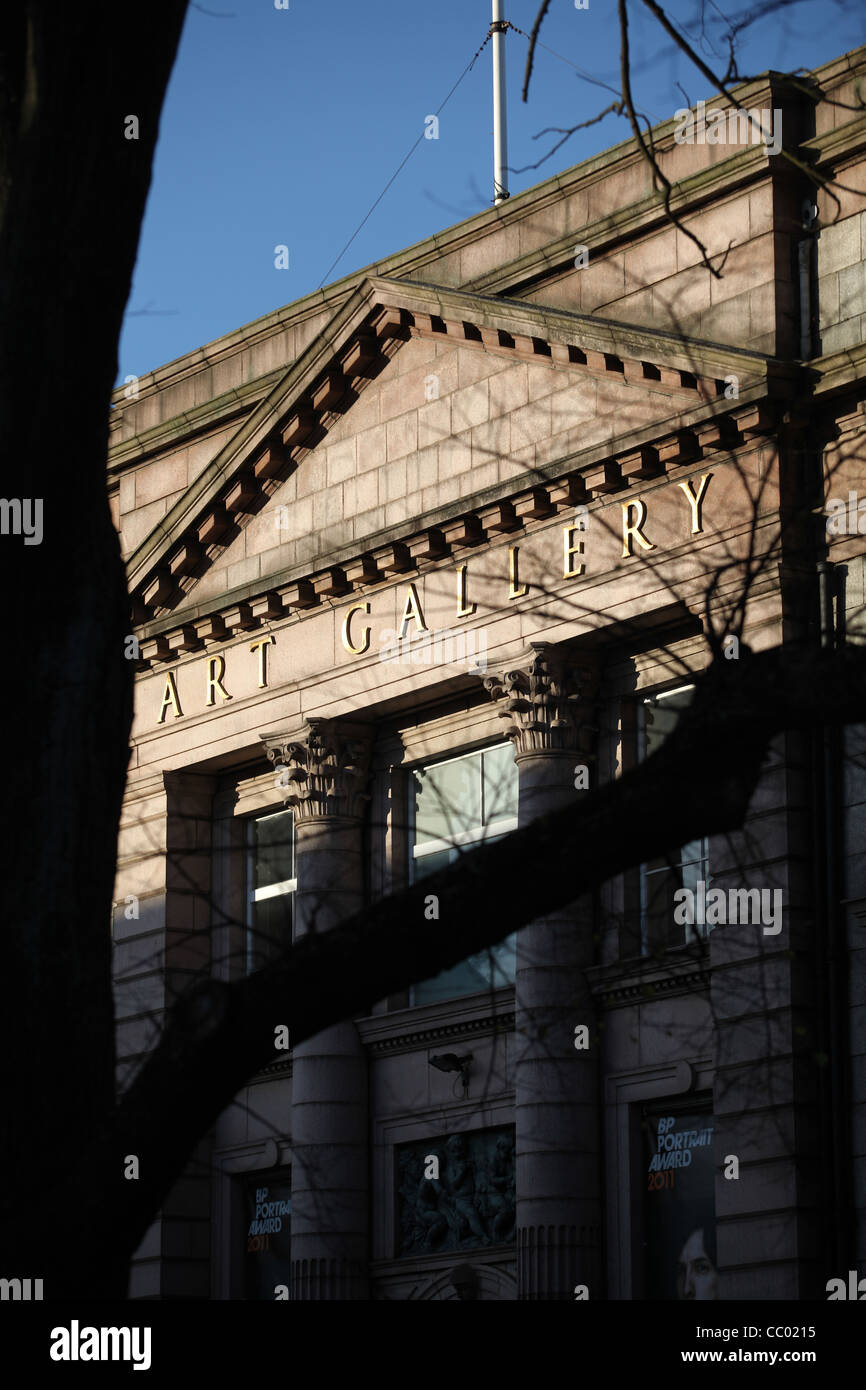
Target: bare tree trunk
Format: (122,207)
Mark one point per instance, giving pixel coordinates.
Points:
(72,195)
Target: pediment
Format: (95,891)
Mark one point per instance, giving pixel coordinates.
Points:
(413,399)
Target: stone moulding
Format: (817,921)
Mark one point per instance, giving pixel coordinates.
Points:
(668,454)
(327,379)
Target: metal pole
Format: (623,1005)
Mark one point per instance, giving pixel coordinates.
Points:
(500,144)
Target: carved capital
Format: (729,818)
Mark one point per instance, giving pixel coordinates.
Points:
(548,699)
(324,769)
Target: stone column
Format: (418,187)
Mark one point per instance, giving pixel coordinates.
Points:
(326,771)
(548,701)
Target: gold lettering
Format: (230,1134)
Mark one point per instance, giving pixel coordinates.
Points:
(215,679)
(261,646)
(464,609)
(347,640)
(696,501)
(515,588)
(569,549)
(169,698)
(412,611)
(631,531)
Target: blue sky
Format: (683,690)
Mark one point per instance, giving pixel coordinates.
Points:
(282,126)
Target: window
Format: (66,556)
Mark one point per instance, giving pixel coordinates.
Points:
(458,803)
(271,885)
(684,868)
(677,1179)
(264,1240)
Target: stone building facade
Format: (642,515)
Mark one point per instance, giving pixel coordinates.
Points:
(424,555)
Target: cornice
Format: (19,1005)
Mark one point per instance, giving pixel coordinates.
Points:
(327,379)
(623,983)
(189,424)
(652,454)
(839,371)
(408,1030)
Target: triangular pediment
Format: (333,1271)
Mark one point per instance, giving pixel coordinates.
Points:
(417,398)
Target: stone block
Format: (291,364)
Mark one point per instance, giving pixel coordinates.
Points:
(491,441)
(392,481)
(653,259)
(397,512)
(401,436)
(455,457)
(327,508)
(746,267)
(161,478)
(312,474)
(243,571)
(469,407)
(602,282)
(360,494)
(530,424)
(828,301)
(340,461)
(852,291)
(839,245)
(434,422)
(127,492)
(840,336)
(371,448)
(508,390)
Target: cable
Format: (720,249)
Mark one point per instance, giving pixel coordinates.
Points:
(404,161)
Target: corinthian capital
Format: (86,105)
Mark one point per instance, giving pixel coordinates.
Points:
(324,769)
(548,699)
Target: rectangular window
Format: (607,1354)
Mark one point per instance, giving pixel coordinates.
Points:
(459,803)
(661,878)
(271,885)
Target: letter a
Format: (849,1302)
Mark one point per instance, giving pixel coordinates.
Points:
(431,1168)
(412,612)
(840,1292)
(170,697)
(60,1337)
(281,1038)
(732,1166)
(130,1172)
(431,908)
(581,1037)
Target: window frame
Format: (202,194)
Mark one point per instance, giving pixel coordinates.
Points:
(461,839)
(253,895)
(700,931)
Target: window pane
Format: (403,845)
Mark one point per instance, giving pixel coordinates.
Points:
(431,863)
(491,968)
(271,925)
(500,784)
(273,849)
(488,969)
(660,717)
(447,798)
